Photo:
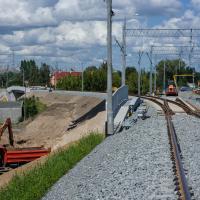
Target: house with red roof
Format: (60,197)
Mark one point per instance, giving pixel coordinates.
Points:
(56,76)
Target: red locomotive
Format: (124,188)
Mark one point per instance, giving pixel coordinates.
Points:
(171,91)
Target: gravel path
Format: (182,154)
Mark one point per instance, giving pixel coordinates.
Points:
(133,164)
(188,132)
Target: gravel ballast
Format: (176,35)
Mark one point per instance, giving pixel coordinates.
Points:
(188,132)
(190,97)
(134,164)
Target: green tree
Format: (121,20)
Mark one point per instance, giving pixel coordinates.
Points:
(33,74)
(131,79)
(116,79)
(69,83)
(44,72)
(172,68)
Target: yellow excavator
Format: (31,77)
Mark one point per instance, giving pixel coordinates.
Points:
(181,75)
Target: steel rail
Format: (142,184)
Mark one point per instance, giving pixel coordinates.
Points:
(182,105)
(183,190)
(196,113)
(194,106)
(182,187)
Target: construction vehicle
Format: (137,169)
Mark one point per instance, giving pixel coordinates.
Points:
(13,157)
(171,91)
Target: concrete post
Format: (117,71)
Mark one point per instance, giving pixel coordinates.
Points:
(124,53)
(139,72)
(23,77)
(110,121)
(151,66)
(139,77)
(155,77)
(164,77)
(193,78)
(82,78)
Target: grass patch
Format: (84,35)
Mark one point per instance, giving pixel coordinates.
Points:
(33,184)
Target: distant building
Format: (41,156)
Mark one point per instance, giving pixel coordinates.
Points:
(56,76)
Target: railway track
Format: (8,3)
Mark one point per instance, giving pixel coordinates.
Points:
(180,181)
(189,108)
(195,111)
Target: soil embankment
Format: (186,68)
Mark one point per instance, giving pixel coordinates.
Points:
(50,128)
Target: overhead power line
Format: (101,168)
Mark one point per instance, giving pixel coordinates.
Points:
(163,32)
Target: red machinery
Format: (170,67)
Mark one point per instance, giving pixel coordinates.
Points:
(171,91)
(17,156)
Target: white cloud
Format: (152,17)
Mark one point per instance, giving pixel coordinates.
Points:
(187,20)
(66,39)
(68,25)
(196,3)
(46,12)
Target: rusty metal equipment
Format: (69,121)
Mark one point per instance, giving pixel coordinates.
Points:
(10,156)
(7,124)
(18,156)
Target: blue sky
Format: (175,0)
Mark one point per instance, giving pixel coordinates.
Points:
(67,33)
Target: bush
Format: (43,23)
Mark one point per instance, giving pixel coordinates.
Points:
(33,106)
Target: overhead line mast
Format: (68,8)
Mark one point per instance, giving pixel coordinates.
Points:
(162,35)
(110,120)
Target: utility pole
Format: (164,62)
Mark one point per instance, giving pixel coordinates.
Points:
(123,61)
(82,84)
(13,58)
(7,70)
(180,60)
(193,78)
(155,77)
(23,77)
(164,77)
(25,104)
(124,53)
(110,121)
(151,66)
(190,55)
(25,85)
(140,53)
(191,47)
(151,70)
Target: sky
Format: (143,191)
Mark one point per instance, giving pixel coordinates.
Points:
(72,33)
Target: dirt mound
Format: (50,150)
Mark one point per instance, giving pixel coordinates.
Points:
(51,125)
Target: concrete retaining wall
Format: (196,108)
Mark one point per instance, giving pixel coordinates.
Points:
(12,110)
